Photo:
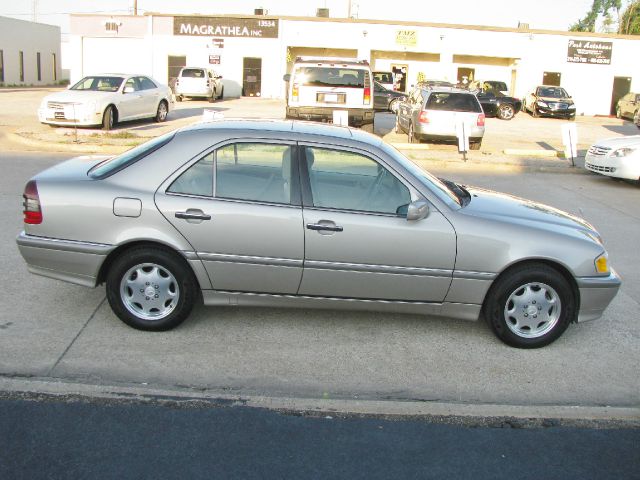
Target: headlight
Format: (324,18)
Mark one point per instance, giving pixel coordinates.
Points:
(602,263)
(542,104)
(623,152)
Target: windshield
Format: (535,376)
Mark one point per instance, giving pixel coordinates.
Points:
(115,164)
(99,84)
(552,92)
(383,77)
(330,77)
(435,185)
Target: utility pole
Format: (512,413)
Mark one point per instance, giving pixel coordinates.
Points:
(135,7)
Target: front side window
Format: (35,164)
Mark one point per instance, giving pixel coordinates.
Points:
(350,181)
(259,172)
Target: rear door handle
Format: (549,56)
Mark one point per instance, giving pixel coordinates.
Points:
(324,227)
(193,215)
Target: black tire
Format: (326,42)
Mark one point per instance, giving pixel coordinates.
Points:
(109,118)
(398,128)
(178,288)
(221,96)
(503,305)
(534,112)
(393,105)
(162,112)
(212,98)
(178,98)
(475,145)
(506,111)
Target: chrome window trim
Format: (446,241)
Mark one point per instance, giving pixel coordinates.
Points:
(232,200)
(250,259)
(367,268)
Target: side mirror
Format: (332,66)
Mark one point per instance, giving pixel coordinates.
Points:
(417,210)
(287,77)
(128,90)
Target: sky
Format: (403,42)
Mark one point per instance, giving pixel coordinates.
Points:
(539,14)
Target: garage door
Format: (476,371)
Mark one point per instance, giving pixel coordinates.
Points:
(115,55)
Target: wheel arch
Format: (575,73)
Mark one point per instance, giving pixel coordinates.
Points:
(120,249)
(114,110)
(559,267)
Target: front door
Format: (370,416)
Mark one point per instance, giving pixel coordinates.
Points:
(246,225)
(358,243)
(551,78)
(621,86)
(252,77)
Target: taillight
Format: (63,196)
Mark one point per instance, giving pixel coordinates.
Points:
(423,118)
(32,211)
(367,95)
(294,92)
(481,120)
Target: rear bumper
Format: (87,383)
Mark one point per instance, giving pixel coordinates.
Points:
(596,293)
(357,117)
(68,260)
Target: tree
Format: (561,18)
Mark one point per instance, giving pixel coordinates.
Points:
(630,21)
(599,8)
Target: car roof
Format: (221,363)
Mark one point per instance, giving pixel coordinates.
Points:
(285,126)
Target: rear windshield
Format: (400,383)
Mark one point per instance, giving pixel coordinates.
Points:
(192,73)
(453,102)
(383,77)
(99,84)
(115,164)
(330,77)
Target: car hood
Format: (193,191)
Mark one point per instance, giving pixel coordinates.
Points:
(503,207)
(619,142)
(78,96)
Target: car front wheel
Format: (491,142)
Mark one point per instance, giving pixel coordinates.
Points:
(151,289)
(162,112)
(530,306)
(108,118)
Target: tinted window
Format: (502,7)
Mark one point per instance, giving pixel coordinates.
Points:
(197,180)
(349,181)
(383,77)
(453,102)
(146,83)
(334,77)
(254,171)
(192,73)
(115,164)
(99,84)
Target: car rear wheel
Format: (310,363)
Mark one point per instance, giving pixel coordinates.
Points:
(412,134)
(221,96)
(162,112)
(475,145)
(151,289)
(530,306)
(108,118)
(212,98)
(506,112)
(393,105)
(398,128)
(534,111)
(179,98)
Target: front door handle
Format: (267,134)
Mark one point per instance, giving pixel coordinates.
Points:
(192,214)
(324,227)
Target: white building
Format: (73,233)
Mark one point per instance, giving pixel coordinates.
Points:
(29,53)
(253,52)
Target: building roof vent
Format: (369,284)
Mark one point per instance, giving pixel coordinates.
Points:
(523,26)
(260,11)
(322,12)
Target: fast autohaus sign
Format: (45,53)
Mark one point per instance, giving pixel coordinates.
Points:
(226,27)
(586,51)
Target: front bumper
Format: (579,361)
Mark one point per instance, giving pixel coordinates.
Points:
(69,116)
(596,293)
(556,112)
(68,260)
(357,117)
(618,167)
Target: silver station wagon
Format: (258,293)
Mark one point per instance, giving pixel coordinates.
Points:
(284,213)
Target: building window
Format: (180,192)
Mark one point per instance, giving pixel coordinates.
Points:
(55,67)
(21,58)
(1,66)
(38,66)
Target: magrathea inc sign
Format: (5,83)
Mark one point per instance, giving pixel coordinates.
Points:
(226,27)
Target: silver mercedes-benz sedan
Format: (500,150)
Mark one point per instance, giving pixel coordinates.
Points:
(282,213)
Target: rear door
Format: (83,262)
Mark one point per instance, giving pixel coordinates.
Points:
(239,207)
(358,243)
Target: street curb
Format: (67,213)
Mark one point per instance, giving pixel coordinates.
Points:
(533,152)
(351,406)
(66,147)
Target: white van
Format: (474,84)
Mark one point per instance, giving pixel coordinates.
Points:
(319,86)
(198,82)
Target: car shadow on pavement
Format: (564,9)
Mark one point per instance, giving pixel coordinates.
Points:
(627,128)
(180,113)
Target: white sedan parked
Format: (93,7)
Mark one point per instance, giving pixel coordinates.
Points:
(103,100)
(615,157)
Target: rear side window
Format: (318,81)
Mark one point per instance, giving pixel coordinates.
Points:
(115,164)
(193,73)
(383,77)
(453,102)
(330,77)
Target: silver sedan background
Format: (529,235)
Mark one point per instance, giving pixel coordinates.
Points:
(302,214)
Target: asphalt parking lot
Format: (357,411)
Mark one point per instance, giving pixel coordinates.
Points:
(53,330)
